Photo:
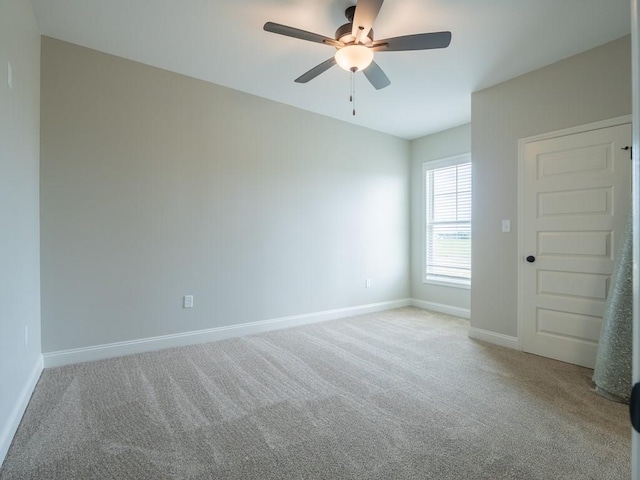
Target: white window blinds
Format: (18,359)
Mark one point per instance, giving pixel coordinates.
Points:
(448,223)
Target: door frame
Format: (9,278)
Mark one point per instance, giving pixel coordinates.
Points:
(635,86)
(522,143)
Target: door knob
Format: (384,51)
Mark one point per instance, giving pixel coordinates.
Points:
(531,259)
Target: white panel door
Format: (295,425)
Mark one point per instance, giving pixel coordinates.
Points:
(577,191)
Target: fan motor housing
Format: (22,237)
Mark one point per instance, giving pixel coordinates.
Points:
(344,34)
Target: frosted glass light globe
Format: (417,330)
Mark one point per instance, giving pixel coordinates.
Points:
(354,56)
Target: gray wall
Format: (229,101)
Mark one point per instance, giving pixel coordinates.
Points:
(19,217)
(444,144)
(155,185)
(592,86)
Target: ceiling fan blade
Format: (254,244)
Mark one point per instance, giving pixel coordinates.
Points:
(363,18)
(301,34)
(317,70)
(376,76)
(419,41)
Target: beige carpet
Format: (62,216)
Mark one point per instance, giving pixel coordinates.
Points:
(402,394)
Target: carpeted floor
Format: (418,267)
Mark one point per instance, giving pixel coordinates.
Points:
(402,394)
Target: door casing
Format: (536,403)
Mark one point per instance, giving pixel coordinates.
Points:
(635,85)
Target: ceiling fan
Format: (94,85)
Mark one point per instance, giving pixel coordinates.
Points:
(356,46)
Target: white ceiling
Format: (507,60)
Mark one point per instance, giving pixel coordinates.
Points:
(222,41)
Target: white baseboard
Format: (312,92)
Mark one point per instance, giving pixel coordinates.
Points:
(441,308)
(495,338)
(99,352)
(10,428)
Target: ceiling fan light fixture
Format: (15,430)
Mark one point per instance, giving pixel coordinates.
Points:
(355,45)
(352,57)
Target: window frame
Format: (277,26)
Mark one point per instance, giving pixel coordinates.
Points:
(433,165)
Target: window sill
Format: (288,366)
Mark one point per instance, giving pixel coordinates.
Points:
(448,283)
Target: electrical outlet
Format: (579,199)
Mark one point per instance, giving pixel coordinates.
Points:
(367,283)
(26,335)
(9,75)
(187,301)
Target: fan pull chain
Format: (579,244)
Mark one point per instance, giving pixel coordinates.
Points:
(352,98)
(351,87)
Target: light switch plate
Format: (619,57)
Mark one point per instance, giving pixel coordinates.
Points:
(187,301)
(506,226)
(9,75)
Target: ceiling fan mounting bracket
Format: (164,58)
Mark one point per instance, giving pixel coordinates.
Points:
(350,13)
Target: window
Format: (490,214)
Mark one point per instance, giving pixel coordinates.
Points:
(448,221)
